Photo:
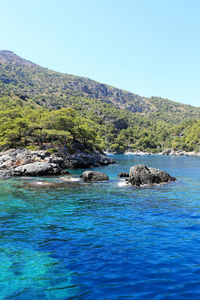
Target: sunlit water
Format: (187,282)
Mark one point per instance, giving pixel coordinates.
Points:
(103,240)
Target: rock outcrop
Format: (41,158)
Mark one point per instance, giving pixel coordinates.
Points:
(23,162)
(122,174)
(141,175)
(82,159)
(91,176)
(37,169)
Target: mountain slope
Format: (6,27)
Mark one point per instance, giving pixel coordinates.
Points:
(54,90)
(42,108)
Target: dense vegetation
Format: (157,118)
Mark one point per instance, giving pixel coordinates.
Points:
(42,108)
(27,126)
(103,127)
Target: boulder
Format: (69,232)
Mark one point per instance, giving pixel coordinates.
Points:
(56,160)
(82,159)
(36,169)
(122,174)
(94,176)
(141,174)
(162,175)
(65,172)
(5,174)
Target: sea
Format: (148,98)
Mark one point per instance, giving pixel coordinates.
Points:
(104,240)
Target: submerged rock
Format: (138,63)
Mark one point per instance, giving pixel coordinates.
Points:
(69,179)
(44,184)
(141,174)
(94,176)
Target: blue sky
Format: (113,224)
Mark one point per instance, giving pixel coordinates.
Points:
(149,47)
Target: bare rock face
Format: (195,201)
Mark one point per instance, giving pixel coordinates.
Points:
(23,162)
(36,169)
(141,174)
(5,174)
(82,159)
(91,176)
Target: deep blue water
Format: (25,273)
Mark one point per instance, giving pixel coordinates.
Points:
(103,240)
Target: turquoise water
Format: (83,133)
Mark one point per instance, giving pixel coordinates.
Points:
(103,240)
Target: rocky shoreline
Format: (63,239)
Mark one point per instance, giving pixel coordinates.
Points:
(23,162)
(168,152)
(139,176)
(171,152)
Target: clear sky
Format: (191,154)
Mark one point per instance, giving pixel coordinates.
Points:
(149,47)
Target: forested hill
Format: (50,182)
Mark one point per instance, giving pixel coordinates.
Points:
(40,108)
(52,89)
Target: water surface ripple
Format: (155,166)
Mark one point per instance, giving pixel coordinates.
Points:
(103,240)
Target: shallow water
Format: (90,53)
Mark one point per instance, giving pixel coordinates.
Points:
(103,240)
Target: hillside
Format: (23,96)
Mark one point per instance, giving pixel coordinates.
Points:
(54,90)
(42,108)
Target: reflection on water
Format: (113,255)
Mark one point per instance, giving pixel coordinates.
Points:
(74,240)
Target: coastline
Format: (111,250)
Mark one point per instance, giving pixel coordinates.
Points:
(23,162)
(169,152)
